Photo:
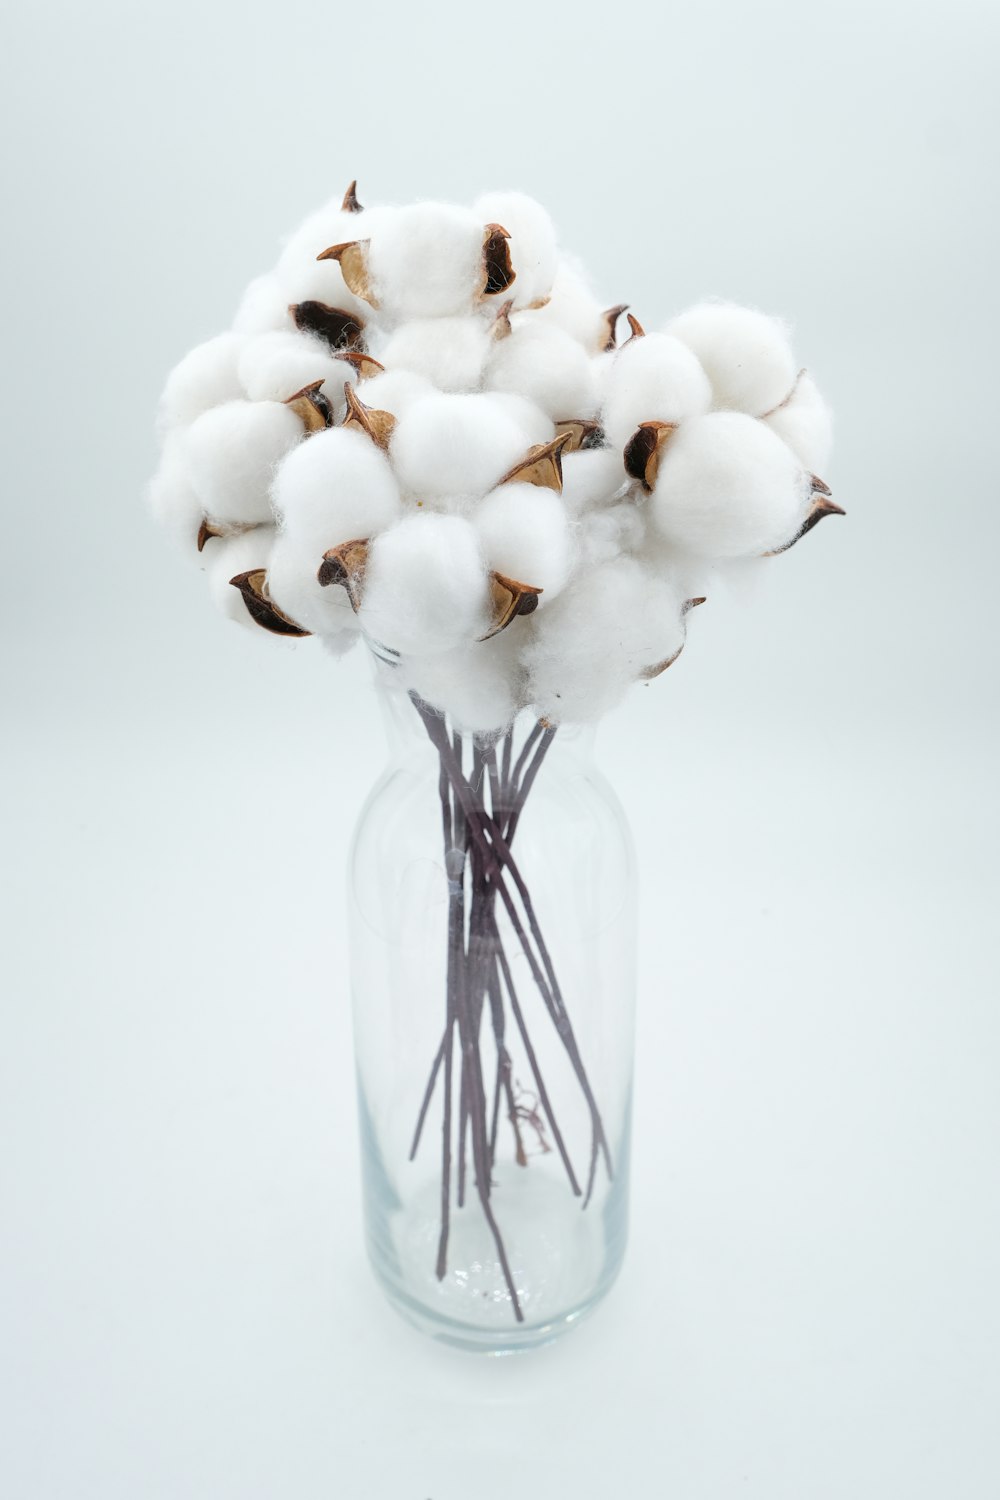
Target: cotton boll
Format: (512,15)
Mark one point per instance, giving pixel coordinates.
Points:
(425,586)
(614,623)
(276,366)
(232,452)
(532,242)
(745,354)
(545,365)
(395,391)
(225,557)
(481,686)
(205,377)
(525,535)
(263,308)
(449,352)
(591,476)
(335,488)
(449,446)
(653,378)
(573,307)
(728,487)
(172,498)
(305,278)
(535,425)
(293,585)
(805,423)
(425,261)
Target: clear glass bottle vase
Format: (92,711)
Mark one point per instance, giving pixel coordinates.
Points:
(492,893)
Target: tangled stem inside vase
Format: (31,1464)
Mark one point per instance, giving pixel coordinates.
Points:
(483,792)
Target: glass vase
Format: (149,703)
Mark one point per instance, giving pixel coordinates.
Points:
(492,895)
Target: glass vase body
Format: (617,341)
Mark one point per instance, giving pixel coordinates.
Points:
(500,1237)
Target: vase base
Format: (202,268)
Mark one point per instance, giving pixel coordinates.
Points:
(493,1342)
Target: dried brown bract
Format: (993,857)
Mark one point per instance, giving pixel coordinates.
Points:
(262,609)
(644,450)
(609,320)
(375,424)
(498,272)
(312,406)
(340,329)
(509,598)
(821,507)
(350,204)
(345,565)
(541,465)
(353,259)
(579,433)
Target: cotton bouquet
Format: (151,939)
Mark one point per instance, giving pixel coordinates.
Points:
(424,431)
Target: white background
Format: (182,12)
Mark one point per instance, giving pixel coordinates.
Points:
(809,1308)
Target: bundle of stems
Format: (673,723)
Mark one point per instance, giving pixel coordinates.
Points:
(483,792)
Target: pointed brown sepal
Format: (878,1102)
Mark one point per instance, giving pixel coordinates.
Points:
(340,329)
(261,609)
(353,258)
(350,204)
(649,674)
(690,604)
(644,449)
(346,565)
(638,332)
(363,363)
(206,531)
(541,465)
(609,320)
(377,425)
(501,328)
(821,507)
(312,407)
(580,433)
(498,273)
(509,599)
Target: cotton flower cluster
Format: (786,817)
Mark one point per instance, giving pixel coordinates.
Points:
(422,429)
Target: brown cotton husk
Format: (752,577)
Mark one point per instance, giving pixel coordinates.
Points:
(649,674)
(261,609)
(638,332)
(541,465)
(350,204)
(377,425)
(209,529)
(339,328)
(312,407)
(644,450)
(498,272)
(353,259)
(362,363)
(345,565)
(610,320)
(821,507)
(508,599)
(580,433)
(501,325)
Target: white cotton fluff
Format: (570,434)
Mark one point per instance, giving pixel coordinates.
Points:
(276,366)
(805,423)
(425,587)
(232,452)
(524,534)
(532,242)
(451,446)
(616,621)
(450,352)
(225,557)
(172,498)
(745,354)
(481,686)
(536,426)
(394,391)
(425,261)
(607,534)
(728,487)
(205,377)
(591,477)
(655,378)
(263,308)
(573,307)
(545,365)
(294,587)
(337,487)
